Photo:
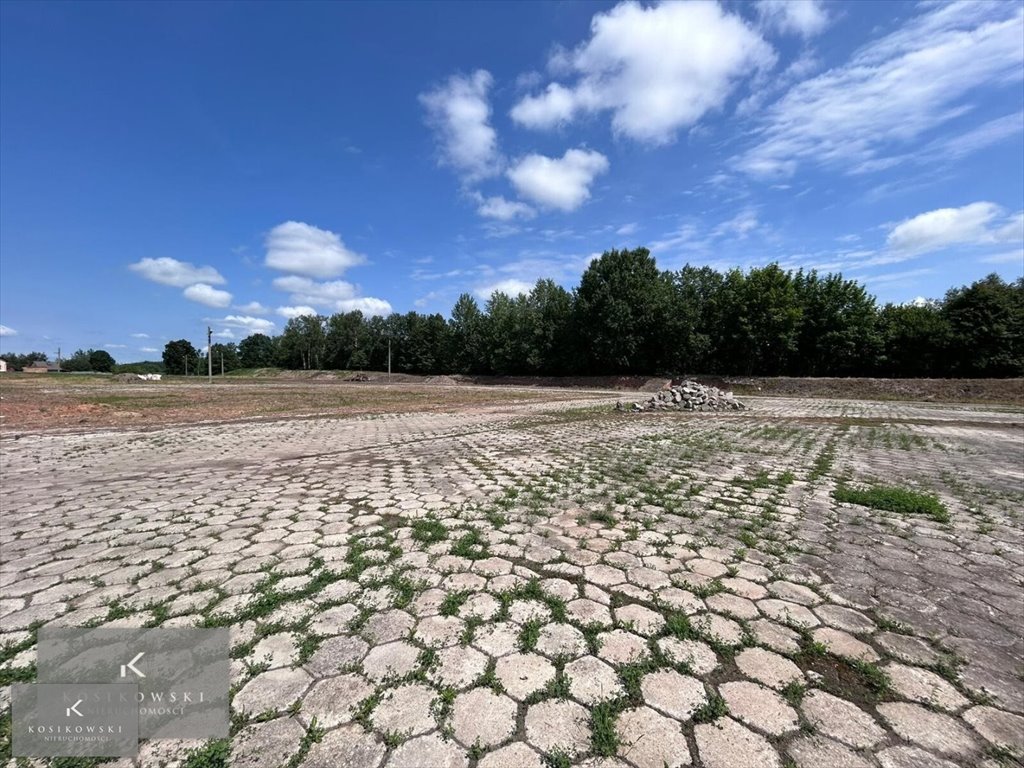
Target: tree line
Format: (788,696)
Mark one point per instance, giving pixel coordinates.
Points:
(627,316)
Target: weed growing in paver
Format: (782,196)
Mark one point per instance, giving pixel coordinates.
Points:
(453,602)
(489,678)
(873,677)
(363,710)
(794,692)
(557,759)
(213,754)
(529,635)
(394,739)
(429,529)
(471,545)
(712,710)
(469,630)
(893,499)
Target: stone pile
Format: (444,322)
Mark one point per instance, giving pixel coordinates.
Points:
(689,396)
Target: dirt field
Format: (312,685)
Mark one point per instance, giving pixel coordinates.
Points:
(449,576)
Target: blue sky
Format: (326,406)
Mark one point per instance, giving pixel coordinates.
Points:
(168,166)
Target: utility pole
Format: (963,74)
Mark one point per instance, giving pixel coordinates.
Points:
(389,359)
(222,363)
(58,359)
(186,363)
(209,354)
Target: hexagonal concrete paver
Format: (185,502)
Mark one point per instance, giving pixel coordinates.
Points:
(651,740)
(769,668)
(725,743)
(759,707)
(272,691)
(429,750)
(673,694)
(558,725)
(482,717)
(330,701)
(346,747)
(592,681)
(405,710)
(522,674)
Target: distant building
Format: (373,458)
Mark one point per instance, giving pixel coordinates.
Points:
(3,366)
(41,366)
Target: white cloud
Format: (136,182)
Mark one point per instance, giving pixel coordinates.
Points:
(208,295)
(459,113)
(891,92)
(292,312)
(627,229)
(510,287)
(308,250)
(740,225)
(140,335)
(802,17)
(5,331)
(657,69)
(338,295)
(368,305)
(503,210)
(245,322)
(148,349)
(562,183)
(179,274)
(973,224)
(225,333)
(1006,257)
(253,308)
(980,137)
(115,346)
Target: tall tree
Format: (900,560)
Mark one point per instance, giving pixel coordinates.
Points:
(468,336)
(986,321)
(101,361)
(621,305)
(175,355)
(257,351)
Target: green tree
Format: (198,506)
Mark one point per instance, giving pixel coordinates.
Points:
(621,306)
(693,324)
(101,361)
(551,348)
(344,332)
(303,343)
(176,353)
(226,354)
(79,361)
(986,322)
(761,321)
(838,329)
(257,351)
(914,340)
(468,336)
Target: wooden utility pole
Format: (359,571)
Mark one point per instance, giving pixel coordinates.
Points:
(209,354)
(222,363)
(389,359)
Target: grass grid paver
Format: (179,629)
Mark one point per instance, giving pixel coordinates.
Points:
(542,581)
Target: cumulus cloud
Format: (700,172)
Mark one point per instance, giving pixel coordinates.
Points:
(307,250)
(178,274)
(253,308)
(368,305)
(503,210)
(5,331)
(115,346)
(338,295)
(802,17)
(562,183)
(510,287)
(292,312)
(853,117)
(459,113)
(148,349)
(740,225)
(975,224)
(656,69)
(140,335)
(245,322)
(208,295)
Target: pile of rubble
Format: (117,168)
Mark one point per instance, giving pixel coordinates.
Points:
(688,396)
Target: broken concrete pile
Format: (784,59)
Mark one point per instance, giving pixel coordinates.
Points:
(688,396)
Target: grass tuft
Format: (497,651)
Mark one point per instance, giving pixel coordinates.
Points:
(893,499)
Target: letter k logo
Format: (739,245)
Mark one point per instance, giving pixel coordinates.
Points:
(131,665)
(73,708)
